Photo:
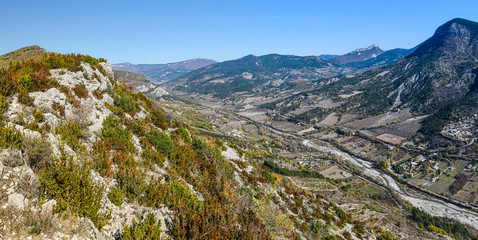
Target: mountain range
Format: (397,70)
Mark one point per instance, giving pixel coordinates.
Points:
(438,72)
(259,73)
(254,74)
(159,73)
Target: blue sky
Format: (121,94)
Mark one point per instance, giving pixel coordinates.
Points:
(169,31)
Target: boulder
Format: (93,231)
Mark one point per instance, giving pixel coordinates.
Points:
(17,200)
(47,208)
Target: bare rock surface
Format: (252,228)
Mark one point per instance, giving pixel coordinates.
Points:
(17,200)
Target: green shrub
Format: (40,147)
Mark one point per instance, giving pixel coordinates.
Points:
(183,133)
(149,228)
(80,91)
(158,118)
(116,196)
(70,133)
(69,184)
(24,97)
(25,82)
(3,104)
(37,151)
(162,142)
(153,157)
(181,193)
(114,132)
(198,145)
(38,115)
(10,137)
(154,194)
(129,176)
(138,129)
(125,101)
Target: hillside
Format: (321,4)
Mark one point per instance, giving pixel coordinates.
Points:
(254,74)
(21,54)
(85,157)
(440,75)
(386,58)
(160,73)
(439,72)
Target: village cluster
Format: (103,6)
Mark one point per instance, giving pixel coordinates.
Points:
(461,130)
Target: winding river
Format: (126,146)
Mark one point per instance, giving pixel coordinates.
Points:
(432,206)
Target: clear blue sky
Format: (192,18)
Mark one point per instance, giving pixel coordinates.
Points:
(169,31)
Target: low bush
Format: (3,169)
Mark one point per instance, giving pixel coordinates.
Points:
(198,145)
(70,133)
(38,115)
(116,196)
(125,101)
(116,134)
(37,151)
(3,104)
(10,137)
(130,177)
(158,119)
(69,184)
(80,91)
(183,133)
(151,157)
(102,162)
(162,142)
(149,228)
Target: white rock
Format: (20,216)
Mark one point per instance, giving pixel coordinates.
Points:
(17,200)
(44,100)
(231,153)
(47,208)
(97,179)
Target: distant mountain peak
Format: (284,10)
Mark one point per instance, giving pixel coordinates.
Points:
(358,55)
(371,47)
